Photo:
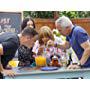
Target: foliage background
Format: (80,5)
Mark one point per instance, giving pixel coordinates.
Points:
(50,14)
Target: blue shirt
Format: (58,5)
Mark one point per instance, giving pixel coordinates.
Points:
(76,38)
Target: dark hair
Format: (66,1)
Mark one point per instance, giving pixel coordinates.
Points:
(24,23)
(29,31)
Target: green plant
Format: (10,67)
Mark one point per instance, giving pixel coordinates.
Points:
(75,14)
(39,14)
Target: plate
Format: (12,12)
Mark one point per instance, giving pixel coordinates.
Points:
(49,68)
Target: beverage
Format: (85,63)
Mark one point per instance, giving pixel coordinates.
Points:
(63,61)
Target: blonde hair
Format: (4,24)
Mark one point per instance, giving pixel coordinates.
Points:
(45,31)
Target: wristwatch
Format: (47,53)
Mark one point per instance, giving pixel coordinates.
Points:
(79,64)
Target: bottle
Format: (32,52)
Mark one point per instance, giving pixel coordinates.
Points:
(63,60)
(69,56)
(55,61)
(69,60)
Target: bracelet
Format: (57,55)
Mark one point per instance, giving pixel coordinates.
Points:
(79,64)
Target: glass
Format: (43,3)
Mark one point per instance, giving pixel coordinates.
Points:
(63,61)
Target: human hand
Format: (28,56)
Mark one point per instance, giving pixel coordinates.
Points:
(40,50)
(9,73)
(50,43)
(73,67)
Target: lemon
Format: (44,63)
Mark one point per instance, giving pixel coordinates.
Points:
(13,63)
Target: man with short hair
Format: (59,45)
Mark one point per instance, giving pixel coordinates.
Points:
(9,43)
(77,38)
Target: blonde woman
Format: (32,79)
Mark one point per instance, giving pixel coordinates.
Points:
(45,35)
(45,44)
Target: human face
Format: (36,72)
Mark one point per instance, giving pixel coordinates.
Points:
(28,41)
(30,24)
(32,41)
(45,39)
(65,32)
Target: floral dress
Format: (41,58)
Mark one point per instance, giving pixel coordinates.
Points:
(25,56)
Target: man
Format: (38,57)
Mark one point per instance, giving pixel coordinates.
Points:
(77,38)
(9,43)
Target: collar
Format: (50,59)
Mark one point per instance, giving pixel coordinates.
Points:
(70,35)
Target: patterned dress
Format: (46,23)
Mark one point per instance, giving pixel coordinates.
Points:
(25,56)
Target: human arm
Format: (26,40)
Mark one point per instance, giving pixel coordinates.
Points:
(86,53)
(2,52)
(85,56)
(6,72)
(1,49)
(83,40)
(64,46)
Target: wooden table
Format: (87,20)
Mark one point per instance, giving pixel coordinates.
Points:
(61,73)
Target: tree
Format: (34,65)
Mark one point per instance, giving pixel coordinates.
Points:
(75,14)
(39,14)
(50,14)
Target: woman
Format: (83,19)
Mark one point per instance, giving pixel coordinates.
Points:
(25,54)
(45,44)
(28,22)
